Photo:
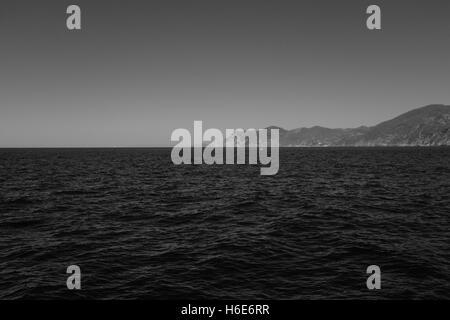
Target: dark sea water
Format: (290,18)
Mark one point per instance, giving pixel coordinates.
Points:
(140,227)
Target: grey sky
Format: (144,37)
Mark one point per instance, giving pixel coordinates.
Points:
(140,69)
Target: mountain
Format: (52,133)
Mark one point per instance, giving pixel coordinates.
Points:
(426,126)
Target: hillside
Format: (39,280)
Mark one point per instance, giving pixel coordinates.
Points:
(426,126)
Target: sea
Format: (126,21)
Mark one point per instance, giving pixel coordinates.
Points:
(140,227)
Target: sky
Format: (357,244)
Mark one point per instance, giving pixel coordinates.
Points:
(140,69)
